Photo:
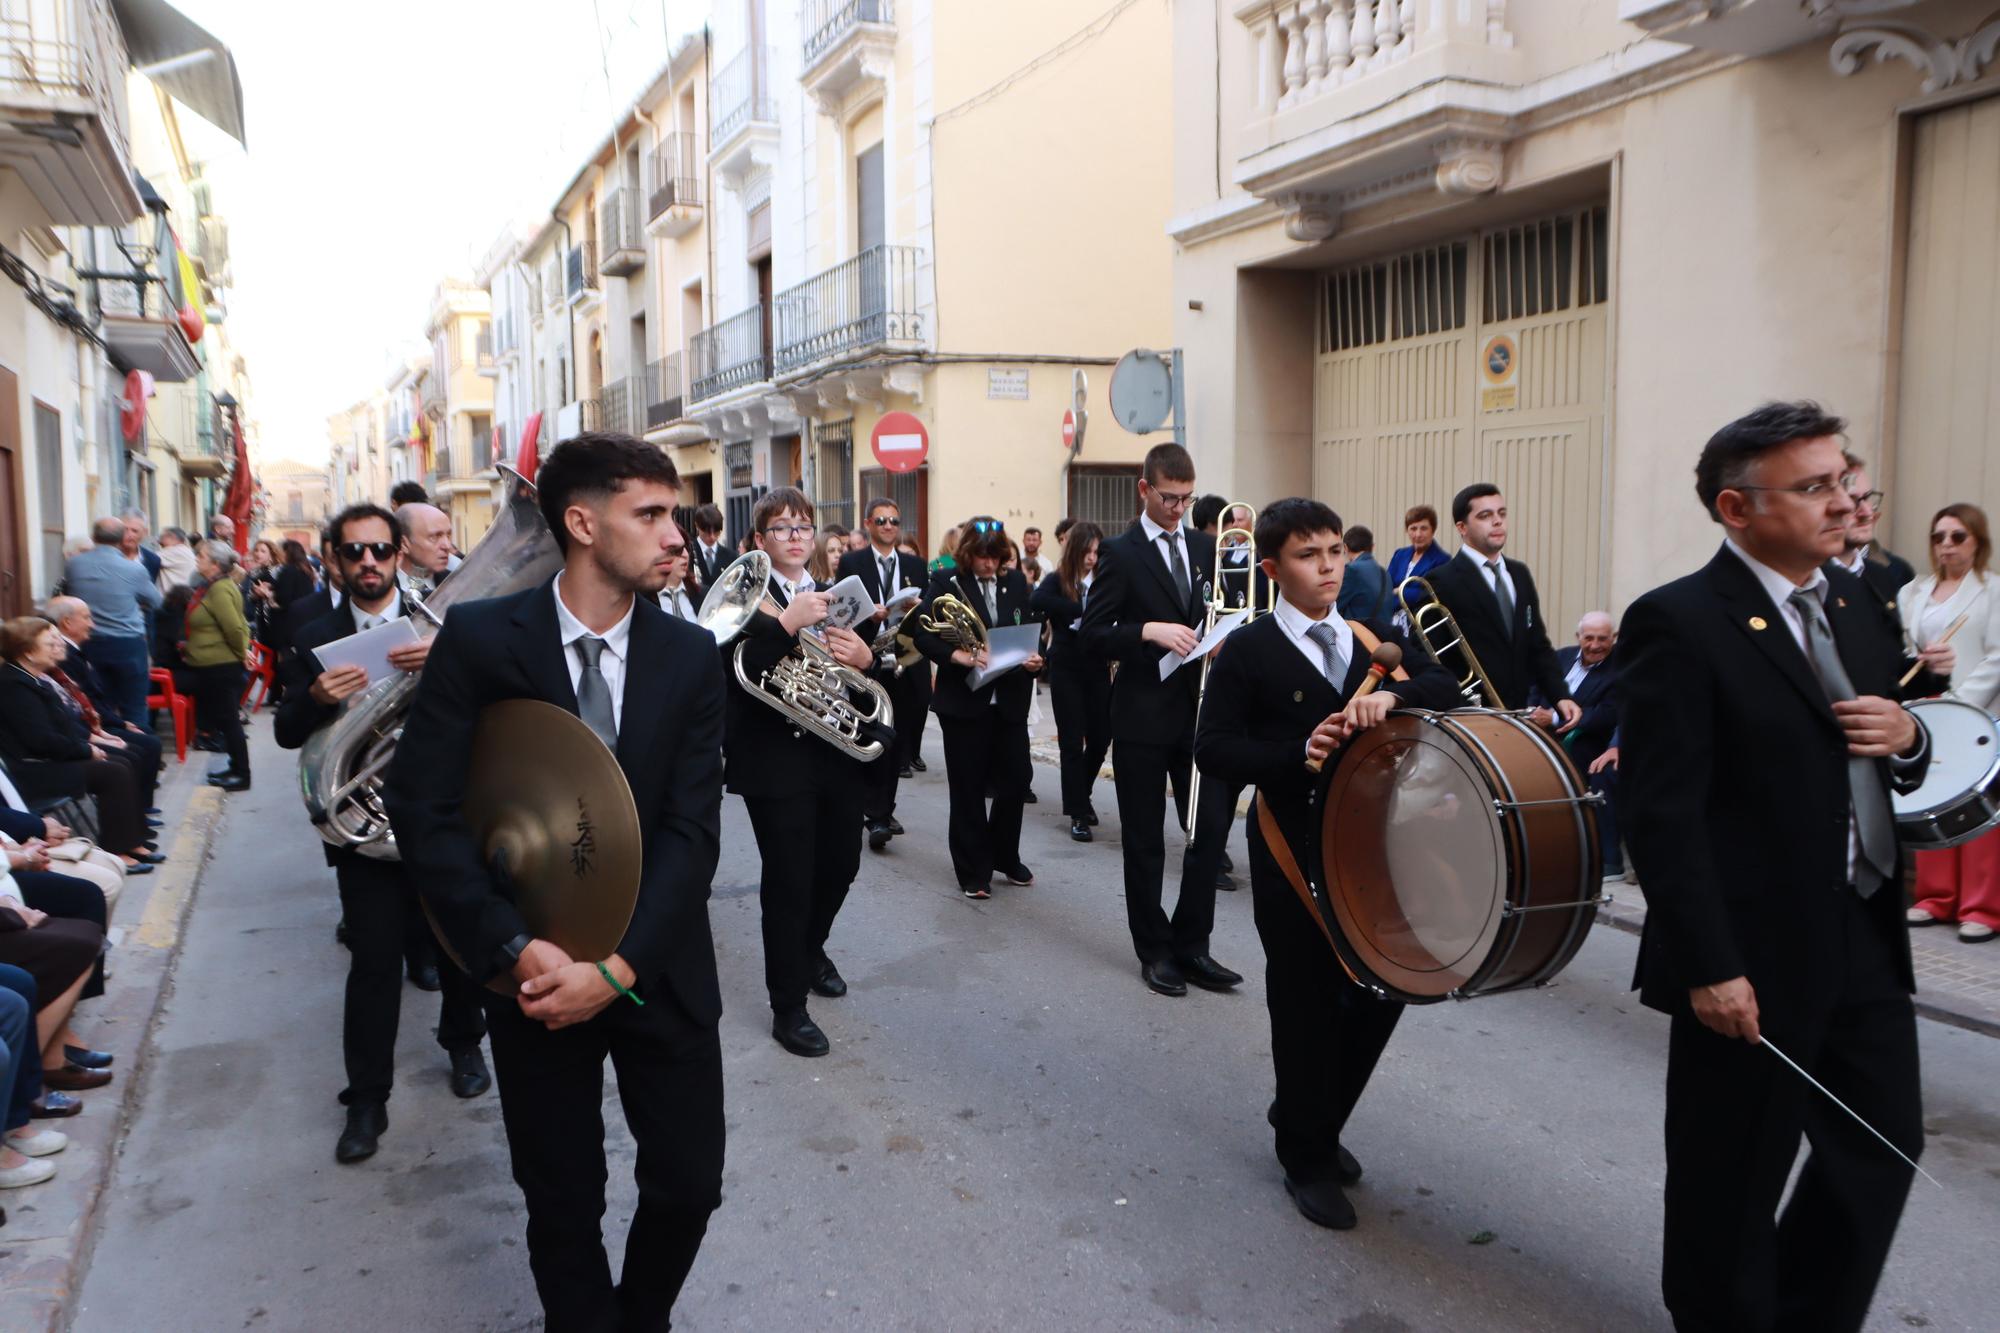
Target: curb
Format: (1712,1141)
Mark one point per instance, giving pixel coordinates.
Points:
(47,1243)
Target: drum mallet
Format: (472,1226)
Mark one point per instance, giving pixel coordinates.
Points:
(1384,660)
(1945,637)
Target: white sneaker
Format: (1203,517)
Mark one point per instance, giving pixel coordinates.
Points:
(39,1143)
(1974,933)
(27,1173)
(1917,916)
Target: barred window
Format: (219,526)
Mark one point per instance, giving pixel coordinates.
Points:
(1545,266)
(1104,494)
(1409,296)
(833,472)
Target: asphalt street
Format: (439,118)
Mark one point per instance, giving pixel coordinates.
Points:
(1011,1132)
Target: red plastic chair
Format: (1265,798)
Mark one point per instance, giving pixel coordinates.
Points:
(261,673)
(178,706)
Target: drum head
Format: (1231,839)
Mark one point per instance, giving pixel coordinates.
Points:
(1960,795)
(1410,860)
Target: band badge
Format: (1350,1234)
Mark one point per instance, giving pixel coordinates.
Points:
(1757,622)
(1298,696)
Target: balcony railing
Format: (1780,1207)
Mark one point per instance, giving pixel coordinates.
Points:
(621,238)
(483,346)
(867,300)
(730,354)
(59,61)
(740,95)
(828,21)
(676,175)
(623,405)
(667,403)
(552,280)
(582,268)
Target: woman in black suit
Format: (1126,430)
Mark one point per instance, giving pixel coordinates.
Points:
(48,748)
(1079,684)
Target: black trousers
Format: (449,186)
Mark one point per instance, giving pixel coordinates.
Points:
(911,738)
(811,850)
(1735,1115)
(218,705)
(1080,694)
(142,755)
(72,899)
(910,695)
(1607,818)
(1326,1032)
(378,902)
(986,752)
(121,821)
(551,1099)
(1142,771)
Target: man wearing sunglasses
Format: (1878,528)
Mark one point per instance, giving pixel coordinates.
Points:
(377,901)
(1874,564)
(885,571)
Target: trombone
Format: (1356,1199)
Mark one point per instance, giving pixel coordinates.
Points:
(1219,605)
(1432,620)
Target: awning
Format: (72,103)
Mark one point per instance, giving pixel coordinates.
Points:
(199,71)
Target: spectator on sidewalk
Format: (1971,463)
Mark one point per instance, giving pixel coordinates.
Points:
(1591,676)
(176,560)
(218,649)
(1960,884)
(72,619)
(61,955)
(1364,588)
(20,1084)
(119,595)
(135,545)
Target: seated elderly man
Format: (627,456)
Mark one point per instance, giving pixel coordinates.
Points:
(1592,679)
(72,619)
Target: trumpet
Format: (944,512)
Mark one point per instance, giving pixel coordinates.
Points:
(1218,606)
(1432,620)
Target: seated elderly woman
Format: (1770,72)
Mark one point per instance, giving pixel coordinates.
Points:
(48,750)
(217,649)
(59,956)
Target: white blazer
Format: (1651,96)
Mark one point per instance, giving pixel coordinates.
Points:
(1976,678)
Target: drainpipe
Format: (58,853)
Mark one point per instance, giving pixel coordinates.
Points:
(569,309)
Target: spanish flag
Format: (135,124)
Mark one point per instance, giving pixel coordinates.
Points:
(190,291)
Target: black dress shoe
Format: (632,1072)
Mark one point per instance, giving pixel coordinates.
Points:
(468,1073)
(70,1078)
(55,1106)
(797,1033)
(1079,830)
(1322,1203)
(1228,866)
(1017,874)
(365,1123)
(827,981)
(1346,1170)
(152,823)
(905,773)
(1090,815)
(138,870)
(424,976)
(878,836)
(148,858)
(1225,882)
(1208,974)
(1029,797)
(340,932)
(896,826)
(1163,977)
(83,1058)
(221,769)
(920,765)
(231,782)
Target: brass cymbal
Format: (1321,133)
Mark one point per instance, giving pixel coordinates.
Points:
(544,793)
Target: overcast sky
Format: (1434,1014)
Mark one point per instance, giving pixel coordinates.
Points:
(390,143)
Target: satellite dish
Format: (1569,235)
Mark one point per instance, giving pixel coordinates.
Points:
(1142,391)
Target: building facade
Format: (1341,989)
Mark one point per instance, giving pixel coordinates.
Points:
(1429,242)
(456,399)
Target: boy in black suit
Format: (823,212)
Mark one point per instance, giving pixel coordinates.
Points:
(804,793)
(378,899)
(1494,601)
(985,730)
(1760,738)
(885,571)
(1146,601)
(1283,689)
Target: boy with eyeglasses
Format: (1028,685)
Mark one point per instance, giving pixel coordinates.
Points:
(803,793)
(885,571)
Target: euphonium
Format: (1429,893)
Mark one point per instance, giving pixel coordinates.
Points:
(1432,620)
(343,763)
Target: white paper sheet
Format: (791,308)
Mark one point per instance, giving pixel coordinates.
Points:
(369,649)
(1006,648)
(848,603)
(1170,663)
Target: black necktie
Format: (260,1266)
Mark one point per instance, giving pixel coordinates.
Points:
(888,577)
(1502,596)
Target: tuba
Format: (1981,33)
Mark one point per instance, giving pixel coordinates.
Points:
(1433,622)
(343,763)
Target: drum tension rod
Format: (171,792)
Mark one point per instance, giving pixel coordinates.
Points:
(1509,909)
(1590,798)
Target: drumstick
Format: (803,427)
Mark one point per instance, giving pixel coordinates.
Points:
(1945,637)
(1385,659)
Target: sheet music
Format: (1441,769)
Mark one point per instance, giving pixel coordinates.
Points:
(1172,662)
(848,603)
(1006,648)
(369,649)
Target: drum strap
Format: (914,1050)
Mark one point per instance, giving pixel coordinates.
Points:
(1369,643)
(1281,852)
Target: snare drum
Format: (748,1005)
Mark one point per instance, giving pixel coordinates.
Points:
(1455,854)
(1960,795)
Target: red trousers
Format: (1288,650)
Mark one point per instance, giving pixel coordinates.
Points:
(1962,883)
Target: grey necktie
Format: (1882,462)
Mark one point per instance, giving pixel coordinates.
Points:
(1175,561)
(593,694)
(1872,816)
(1328,640)
(1502,596)
(888,577)
(992,603)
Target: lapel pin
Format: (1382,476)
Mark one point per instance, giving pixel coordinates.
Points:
(1757,622)
(1841,602)
(1298,696)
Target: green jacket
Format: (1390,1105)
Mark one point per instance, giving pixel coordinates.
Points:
(217,633)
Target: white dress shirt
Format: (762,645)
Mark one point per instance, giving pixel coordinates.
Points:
(1082,597)
(895,571)
(1577,671)
(1492,577)
(393,611)
(674,601)
(610,662)
(1179,531)
(1295,623)
(790,589)
(1853,560)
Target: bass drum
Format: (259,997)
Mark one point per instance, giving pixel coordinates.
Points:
(1960,795)
(1454,855)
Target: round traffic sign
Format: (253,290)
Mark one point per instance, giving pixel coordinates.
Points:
(1069,429)
(900,442)
(1142,391)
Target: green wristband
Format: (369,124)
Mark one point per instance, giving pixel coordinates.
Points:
(605,972)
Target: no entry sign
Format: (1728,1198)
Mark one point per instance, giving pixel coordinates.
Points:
(1069,430)
(900,442)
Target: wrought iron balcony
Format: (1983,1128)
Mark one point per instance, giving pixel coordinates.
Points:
(140,325)
(848,43)
(676,201)
(667,402)
(623,406)
(582,270)
(552,280)
(868,301)
(740,95)
(620,238)
(63,120)
(731,354)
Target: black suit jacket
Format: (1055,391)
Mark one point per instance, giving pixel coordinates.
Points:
(1596,695)
(1059,611)
(866,564)
(953,696)
(1133,586)
(669,745)
(703,570)
(299,714)
(768,753)
(1516,664)
(1885,573)
(1265,698)
(305,611)
(1733,788)
(79,669)
(43,740)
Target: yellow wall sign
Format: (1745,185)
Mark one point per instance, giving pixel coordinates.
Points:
(1499,374)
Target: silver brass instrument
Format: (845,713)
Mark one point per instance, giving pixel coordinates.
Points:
(1433,622)
(1218,606)
(893,640)
(830,699)
(952,620)
(342,764)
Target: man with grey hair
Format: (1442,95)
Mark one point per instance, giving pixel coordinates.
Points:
(137,529)
(72,619)
(222,528)
(427,548)
(1592,680)
(119,595)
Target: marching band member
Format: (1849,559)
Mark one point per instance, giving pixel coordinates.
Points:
(1079,682)
(985,729)
(804,794)
(578,642)
(1282,689)
(885,571)
(679,597)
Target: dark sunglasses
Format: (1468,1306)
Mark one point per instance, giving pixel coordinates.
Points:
(1950,538)
(675,552)
(887,522)
(988,525)
(353,551)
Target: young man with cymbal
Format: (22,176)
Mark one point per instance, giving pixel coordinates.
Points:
(1284,689)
